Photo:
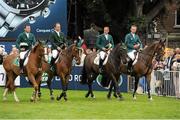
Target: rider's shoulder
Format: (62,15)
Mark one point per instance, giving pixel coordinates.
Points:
(31,34)
(128,34)
(101,35)
(21,34)
(61,33)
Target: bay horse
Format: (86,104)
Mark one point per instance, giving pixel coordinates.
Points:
(32,70)
(111,70)
(63,69)
(143,66)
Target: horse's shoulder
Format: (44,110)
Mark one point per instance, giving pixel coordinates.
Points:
(11,56)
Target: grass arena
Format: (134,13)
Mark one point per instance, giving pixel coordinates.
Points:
(79,107)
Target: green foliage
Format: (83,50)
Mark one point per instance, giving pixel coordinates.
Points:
(139,21)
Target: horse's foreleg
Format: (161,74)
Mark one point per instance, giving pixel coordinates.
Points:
(64,82)
(117,92)
(6,89)
(90,90)
(39,90)
(35,85)
(14,91)
(50,77)
(5,94)
(148,77)
(38,80)
(110,91)
(135,87)
(15,96)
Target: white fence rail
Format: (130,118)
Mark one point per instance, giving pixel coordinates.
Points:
(163,83)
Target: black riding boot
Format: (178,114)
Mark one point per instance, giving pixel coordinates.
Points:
(101,65)
(129,66)
(21,61)
(52,63)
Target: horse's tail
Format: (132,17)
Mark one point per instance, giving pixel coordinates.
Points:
(84,75)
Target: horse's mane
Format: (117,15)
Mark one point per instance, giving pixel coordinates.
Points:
(116,52)
(35,47)
(150,47)
(116,48)
(70,47)
(68,50)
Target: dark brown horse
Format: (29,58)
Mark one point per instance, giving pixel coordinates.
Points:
(32,71)
(62,69)
(111,70)
(143,66)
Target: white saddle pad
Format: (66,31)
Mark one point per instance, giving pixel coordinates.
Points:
(96,60)
(26,59)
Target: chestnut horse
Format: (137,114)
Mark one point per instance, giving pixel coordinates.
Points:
(63,69)
(111,72)
(143,66)
(32,71)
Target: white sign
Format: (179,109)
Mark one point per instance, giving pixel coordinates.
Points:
(3,77)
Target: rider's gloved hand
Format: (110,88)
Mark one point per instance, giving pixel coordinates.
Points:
(58,48)
(136,46)
(104,49)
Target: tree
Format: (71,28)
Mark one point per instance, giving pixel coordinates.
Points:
(120,14)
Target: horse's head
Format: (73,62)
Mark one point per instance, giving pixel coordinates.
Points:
(120,51)
(76,53)
(159,50)
(38,49)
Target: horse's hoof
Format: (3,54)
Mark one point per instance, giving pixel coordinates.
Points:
(151,99)
(31,100)
(115,95)
(52,98)
(17,100)
(134,98)
(94,97)
(58,98)
(108,97)
(65,99)
(87,95)
(4,98)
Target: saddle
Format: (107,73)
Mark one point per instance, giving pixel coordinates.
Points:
(26,58)
(97,58)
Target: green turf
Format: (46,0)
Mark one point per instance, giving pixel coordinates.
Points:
(79,107)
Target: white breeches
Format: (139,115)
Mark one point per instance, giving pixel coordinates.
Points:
(102,55)
(54,53)
(22,54)
(131,54)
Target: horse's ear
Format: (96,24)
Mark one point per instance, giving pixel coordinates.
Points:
(164,41)
(160,40)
